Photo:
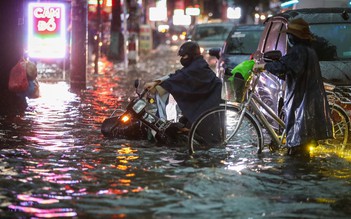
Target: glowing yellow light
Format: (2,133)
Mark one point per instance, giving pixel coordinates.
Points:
(124,181)
(122,167)
(139,189)
(132,157)
(163,28)
(123,161)
(126,150)
(125,118)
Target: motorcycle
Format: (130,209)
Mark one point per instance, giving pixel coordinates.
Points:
(138,122)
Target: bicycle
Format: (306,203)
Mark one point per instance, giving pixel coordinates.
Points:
(340,119)
(244,124)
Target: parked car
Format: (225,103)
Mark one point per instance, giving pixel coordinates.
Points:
(239,45)
(209,35)
(331,28)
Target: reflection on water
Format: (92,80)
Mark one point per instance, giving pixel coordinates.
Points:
(55,163)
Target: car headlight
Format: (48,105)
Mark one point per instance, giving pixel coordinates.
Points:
(174,37)
(139,105)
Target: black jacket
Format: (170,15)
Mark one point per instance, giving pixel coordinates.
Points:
(196,88)
(306,107)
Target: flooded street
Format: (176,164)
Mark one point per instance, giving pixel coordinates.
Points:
(55,163)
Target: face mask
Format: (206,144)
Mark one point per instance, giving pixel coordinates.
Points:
(185,62)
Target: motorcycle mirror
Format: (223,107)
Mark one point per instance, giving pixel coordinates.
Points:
(136,83)
(215,52)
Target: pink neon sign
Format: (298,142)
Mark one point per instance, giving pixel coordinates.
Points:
(46,30)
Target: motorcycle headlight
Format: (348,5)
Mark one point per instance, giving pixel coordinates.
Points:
(125,118)
(139,106)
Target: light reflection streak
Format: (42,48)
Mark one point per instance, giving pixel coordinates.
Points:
(38,200)
(125,181)
(50,100)
(236,167)
(103,91)
(339,151)
(52,114)
(46,213)
(122,167)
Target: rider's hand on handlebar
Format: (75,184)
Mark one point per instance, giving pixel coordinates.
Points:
(151,85)
(257,68)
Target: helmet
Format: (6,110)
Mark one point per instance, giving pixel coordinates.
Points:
(189,48)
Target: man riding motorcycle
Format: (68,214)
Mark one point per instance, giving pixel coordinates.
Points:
(195,87)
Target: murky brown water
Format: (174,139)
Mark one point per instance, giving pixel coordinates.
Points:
(54,162)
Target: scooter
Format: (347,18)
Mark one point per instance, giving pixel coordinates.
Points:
(137,122)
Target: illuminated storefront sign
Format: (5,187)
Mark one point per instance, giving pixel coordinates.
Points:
(46,30)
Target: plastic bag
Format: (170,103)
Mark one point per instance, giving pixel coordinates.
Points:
(244,68)
(31,70)
(33,89)
(240,76)
(18,81)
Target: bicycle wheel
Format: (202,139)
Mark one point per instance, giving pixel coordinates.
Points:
(341,125)
(213,128)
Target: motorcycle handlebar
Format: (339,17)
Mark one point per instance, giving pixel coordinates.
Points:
(143,93)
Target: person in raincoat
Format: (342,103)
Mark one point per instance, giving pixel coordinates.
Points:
(307,114)
(195,87)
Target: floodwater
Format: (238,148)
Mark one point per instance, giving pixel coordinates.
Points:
(54,163)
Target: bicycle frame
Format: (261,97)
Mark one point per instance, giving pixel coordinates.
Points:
(253,102)
(255,114)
